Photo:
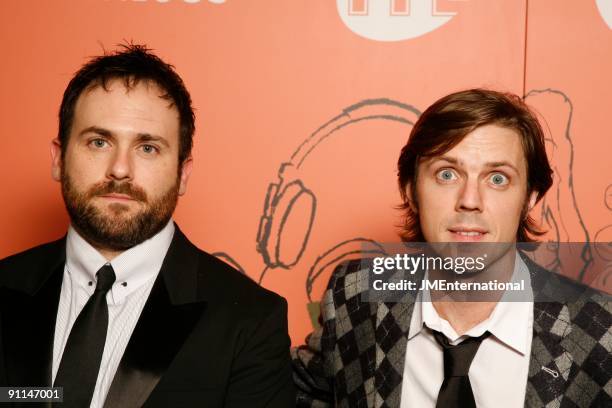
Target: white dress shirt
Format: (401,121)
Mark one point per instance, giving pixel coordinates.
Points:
(498,373)
(135,269)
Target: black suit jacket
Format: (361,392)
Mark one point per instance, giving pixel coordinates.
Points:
(207,336)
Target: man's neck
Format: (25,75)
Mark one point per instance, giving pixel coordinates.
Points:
(105,251)
(462,316)
(109,254)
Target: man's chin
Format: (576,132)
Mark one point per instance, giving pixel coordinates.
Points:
(116,217)
(113,210)
(115,233)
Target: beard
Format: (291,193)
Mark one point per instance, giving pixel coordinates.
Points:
(113,229)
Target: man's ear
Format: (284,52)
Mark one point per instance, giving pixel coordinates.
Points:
(56,160)
(186,168)
(533,198)
(411,199)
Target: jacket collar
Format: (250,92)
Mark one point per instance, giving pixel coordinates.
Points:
(391,332)
(176,302)
(180,272)
(551,356)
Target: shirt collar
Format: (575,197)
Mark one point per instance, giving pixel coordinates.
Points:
(133,267)
(510,322)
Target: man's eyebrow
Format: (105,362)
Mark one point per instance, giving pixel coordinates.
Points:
(140,137)
(493,164)
(147,137)
(95,129)
(501,164)
(449,159)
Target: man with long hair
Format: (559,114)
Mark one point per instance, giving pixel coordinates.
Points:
(474,166)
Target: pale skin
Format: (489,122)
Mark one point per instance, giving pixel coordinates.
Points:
(475,192)
(126,136)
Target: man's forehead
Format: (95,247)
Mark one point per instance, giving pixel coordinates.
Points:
(490,145)
(145,93)
(127,84)
(119,110)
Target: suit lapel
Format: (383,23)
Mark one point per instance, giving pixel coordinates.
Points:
(28,323)
(173,308)
(551,360)
(392,325)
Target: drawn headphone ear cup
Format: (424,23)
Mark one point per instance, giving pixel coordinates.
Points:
(291,209)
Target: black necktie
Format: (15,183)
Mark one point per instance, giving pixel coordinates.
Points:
(78,370)
(456,390)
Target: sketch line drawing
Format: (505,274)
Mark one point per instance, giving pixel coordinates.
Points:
(555,212)
(283,195)
(352,114)
(229,260)
(604,237)
(289,192)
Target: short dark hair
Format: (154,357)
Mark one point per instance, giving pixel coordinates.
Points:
(444,125)
(132,63)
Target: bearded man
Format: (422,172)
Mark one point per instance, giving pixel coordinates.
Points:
(124,311)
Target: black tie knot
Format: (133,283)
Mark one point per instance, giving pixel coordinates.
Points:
(106,278)
(458,358)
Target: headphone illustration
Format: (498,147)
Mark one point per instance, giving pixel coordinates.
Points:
(289,193)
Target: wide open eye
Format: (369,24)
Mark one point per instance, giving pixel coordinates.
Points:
(499,179)
(446,175)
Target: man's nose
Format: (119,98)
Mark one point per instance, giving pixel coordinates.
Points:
(120,167)
(470,196)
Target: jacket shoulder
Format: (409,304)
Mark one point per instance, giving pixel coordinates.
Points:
(549,286)
(229,284)
(350,274)
(19,271)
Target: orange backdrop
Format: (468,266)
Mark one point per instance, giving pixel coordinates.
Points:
(266,75)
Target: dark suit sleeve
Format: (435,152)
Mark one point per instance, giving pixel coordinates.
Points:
(3,381)
(261,375)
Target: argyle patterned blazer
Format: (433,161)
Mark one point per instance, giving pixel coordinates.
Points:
(356,358)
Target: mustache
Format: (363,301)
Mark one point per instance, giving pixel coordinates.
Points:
(110,187)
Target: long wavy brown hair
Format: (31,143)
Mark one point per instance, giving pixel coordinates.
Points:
(444,125)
